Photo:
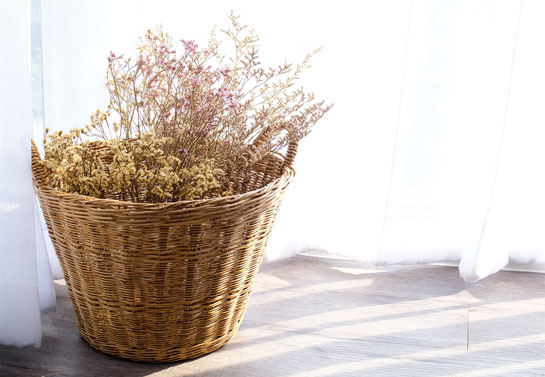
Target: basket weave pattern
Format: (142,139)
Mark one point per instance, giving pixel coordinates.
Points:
(162,282)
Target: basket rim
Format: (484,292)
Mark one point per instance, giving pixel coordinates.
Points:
(288,174)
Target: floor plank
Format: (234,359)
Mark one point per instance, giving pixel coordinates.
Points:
(327,317)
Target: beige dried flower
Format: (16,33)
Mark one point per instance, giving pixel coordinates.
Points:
(201,181)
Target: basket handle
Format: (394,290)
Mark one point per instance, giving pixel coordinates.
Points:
(293,144)
(39,175)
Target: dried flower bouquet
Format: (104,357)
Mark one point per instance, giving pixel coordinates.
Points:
(182,126)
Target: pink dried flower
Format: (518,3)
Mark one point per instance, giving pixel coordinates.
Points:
(190,46)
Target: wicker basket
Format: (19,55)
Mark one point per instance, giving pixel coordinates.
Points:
(162,282)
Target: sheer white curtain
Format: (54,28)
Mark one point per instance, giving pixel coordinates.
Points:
(432,139)
(436,153)
(514,227)
(432,152)
(25,278)
(458,74)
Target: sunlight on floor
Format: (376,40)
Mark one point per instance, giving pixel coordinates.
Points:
(314,317)
(357,271)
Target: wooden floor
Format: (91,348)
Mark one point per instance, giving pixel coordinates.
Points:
(311,316)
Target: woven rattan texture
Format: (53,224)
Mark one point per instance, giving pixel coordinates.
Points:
(162,282)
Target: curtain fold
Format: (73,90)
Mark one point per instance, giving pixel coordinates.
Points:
(23,264)
(514,227)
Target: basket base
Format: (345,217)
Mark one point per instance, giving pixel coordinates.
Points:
(166,355)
